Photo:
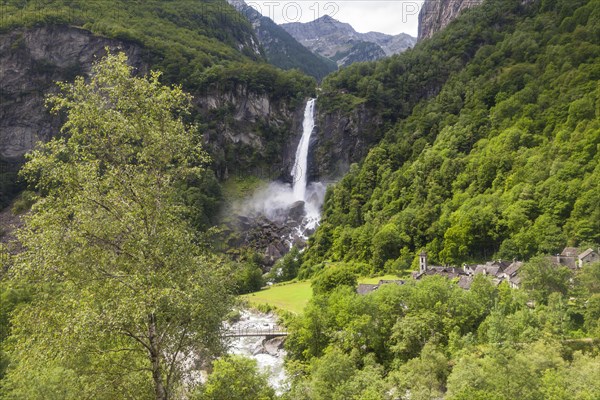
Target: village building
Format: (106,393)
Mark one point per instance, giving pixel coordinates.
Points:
(510,274)
(567,258)
(574,259)
(587,257)
(426,269)
(499,270)
(366,288)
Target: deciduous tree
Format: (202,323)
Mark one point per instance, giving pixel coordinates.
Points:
(125,295)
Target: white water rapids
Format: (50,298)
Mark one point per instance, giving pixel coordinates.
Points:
(268,357)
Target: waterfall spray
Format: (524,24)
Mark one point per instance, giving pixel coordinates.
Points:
(278,199)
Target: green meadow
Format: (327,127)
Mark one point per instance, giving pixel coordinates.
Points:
(294,296)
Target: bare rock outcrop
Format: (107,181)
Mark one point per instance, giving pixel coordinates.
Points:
(31,61)
(435,15)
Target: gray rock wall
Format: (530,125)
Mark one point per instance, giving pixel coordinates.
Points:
(342,138)
(435,15)
(30,62)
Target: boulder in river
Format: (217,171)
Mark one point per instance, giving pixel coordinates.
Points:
(296,211)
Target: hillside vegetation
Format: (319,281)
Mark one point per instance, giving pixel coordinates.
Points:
(183,39)
(502,160)
(206,46)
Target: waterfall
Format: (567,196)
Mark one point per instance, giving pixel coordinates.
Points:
(300,168)
(295,210)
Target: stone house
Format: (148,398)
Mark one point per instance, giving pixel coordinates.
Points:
(574,259)
(500,270)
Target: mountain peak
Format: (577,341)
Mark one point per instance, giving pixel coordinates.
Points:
(340,42)
(326,18)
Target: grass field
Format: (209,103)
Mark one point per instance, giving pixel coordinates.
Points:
(294,296)
(291,297)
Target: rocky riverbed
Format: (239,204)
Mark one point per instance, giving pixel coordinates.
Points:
(269,354)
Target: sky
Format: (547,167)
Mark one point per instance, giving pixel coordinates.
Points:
(391,16)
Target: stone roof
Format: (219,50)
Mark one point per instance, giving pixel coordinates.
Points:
(513,268)
(570,252)
(388,282)
(365,288)
(488,270)
(464,282)
(567,261)
(586,253)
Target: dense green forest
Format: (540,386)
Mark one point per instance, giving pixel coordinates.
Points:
(490,143)
(430,339)
(502,162)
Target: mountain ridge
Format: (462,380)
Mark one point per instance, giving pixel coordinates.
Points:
(339,41)
(281,48)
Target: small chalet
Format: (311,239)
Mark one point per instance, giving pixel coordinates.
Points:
(587,257)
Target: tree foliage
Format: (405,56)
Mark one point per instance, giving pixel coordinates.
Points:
(235,378)
(490,146)
(123,292)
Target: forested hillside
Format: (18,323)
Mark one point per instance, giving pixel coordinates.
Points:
(486,144)
(501,161)
(182,37)
(245,106)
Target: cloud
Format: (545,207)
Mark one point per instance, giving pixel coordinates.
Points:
(391,17)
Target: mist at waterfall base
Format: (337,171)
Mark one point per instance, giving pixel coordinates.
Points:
(277,200)
(298,204)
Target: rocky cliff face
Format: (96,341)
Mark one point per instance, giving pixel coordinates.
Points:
(247,132)
(435,15)
(359,52)
(30,62)
(333,39)
(340,139)
(250,126)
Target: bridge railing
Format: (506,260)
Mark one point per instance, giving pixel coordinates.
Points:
(256,331)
